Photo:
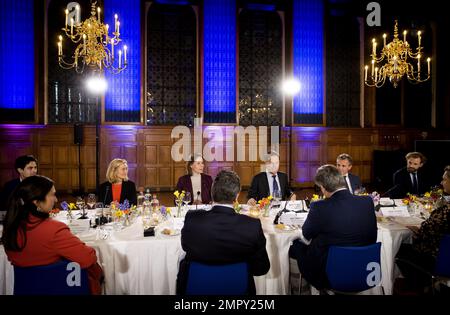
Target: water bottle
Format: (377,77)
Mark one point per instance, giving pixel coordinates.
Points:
(146,203)
(155,203)
(140,197)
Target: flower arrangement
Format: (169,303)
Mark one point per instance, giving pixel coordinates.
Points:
(375,197)
(409,199)
(54,212)
(237,207)
(315,197)
(68,207)
(179,200)
(120,210)
(264,204)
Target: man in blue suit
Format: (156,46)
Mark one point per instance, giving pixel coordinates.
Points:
(344,164)
(341,219)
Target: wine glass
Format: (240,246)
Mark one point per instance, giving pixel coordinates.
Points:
(186,198)
(91,200)
(81,206)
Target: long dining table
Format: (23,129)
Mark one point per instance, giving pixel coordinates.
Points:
(134,264)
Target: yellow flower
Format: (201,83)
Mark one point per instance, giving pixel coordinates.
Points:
(405,201)
(168,210)
(72,206)
(177,194)
(427,195)
(118,213)
(315,197)
(270,198)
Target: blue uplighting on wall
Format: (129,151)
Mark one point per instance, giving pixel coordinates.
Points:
(17,53)
(308,51)
(122,101)
(219,51)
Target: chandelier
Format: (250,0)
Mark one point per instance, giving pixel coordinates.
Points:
(393,62)
(95,47)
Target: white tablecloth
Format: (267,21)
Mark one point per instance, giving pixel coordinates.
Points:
(150,265)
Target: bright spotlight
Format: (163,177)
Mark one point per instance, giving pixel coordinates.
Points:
(96,85)
(291,86)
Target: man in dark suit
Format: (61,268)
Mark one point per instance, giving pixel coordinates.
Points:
(410,179)
(344,163)
(265,183)
(222,236)
(25,165)
(342,219)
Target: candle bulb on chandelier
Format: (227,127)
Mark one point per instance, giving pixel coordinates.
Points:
(84,43)
(365,72)
(67,17)
(384,40)
(419,37)
(373,67)
(125,48)
(115,22)
(71,26)
(376,73)
(98,11)
(418,64)
(112,48)
(374,47)
(120,59)
(428,62)
(77,11)
(404,36)
(60,46)
(118,25)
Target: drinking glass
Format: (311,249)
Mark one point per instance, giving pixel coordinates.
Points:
(186,199)
(91,200)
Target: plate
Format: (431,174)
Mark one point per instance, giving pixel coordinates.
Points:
(170,232)
(285,228)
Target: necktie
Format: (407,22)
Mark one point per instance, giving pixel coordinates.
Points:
(415,186)
(346,184)
(275,184)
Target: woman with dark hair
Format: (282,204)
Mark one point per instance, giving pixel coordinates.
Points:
(32,238)
(196,182)
(426,240)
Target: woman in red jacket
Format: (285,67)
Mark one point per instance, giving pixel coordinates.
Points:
(32,238)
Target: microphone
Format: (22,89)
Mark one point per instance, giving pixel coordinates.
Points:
(196,199)
(389,190)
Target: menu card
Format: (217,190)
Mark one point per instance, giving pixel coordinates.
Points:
(79,226)
(399,211)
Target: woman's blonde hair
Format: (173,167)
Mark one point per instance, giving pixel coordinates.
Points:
(111,172)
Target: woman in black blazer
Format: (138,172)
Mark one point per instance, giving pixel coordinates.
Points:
(118,187)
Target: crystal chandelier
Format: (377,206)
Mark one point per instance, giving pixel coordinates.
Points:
(95,48)
(393,62)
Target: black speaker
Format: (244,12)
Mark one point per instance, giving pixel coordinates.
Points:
(78,134)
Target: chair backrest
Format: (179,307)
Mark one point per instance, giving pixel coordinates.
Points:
(354,268)
(61,278)
(442,267)
(230,279)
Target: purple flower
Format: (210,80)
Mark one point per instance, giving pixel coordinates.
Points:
(163,210)
(125,205)
(64,205)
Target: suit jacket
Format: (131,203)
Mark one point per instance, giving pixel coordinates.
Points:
(403,183)
(128,192)
(344,220)
(221,236)
(185,183)
(260,189)
(7,192)
(355,181)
